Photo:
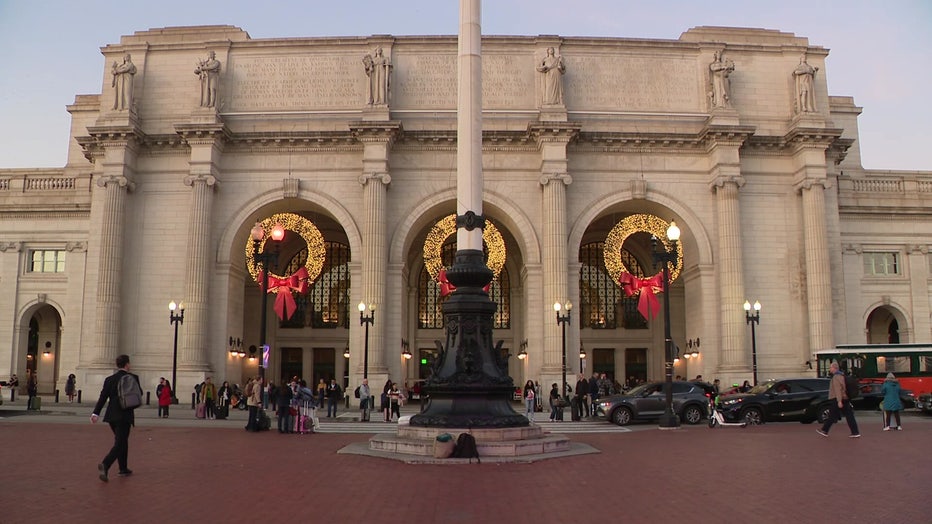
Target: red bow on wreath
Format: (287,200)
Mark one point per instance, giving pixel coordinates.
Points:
(446,287)
(648,304)
(285,305)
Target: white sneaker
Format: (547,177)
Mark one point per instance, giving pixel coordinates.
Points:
(887,428)
(898,428)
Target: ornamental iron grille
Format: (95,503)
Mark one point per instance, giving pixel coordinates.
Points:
(429,313)
(326,305)
(603,301)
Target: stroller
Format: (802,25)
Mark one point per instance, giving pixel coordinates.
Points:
(716,418)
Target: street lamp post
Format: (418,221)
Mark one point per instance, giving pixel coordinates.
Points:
(563,320)
(367,320)
(175,319)
(752,320)
(667,257)
(264,259)
(406,355)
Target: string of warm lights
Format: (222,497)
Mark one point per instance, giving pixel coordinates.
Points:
(640,223)
(433,245)
(316,253)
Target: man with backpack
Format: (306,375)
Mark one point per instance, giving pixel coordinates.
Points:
(841,402)
(124,396)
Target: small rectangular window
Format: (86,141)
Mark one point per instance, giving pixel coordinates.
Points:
(881,264)
(47,261)
(893,365)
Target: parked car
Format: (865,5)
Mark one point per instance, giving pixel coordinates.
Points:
(924,403)
(802,399)
(648,402)
(872,396)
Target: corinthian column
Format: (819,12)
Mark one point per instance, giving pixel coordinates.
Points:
(193,350)
(110,270)
(730,273)
(375,263)
(818,279)
(555,269)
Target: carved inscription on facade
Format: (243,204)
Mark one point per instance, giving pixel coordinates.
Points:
(277,83)
(633,83)
(429,82)
(425,81)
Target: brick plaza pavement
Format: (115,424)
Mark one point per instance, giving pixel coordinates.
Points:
(190,470)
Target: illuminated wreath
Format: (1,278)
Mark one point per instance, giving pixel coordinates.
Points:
(308,232)
(433,246)
(627,227)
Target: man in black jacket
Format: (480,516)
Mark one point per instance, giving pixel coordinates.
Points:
(120,420)
(582,391)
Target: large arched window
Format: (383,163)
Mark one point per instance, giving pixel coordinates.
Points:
(604,305)
(326,304)
(429,314)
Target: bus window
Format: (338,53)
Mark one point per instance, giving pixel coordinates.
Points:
(894,364)
(925,364)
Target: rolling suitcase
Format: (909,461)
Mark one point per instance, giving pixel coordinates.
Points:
(223,412)
(200,411)
(265,423)
(575,411)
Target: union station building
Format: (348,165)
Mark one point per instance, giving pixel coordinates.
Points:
(590,148)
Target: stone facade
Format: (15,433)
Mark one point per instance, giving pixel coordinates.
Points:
(161,190)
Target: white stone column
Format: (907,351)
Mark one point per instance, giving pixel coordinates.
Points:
(110,268)
(733,357)
(818,278)
(555,265)
(193,350)
(375,265)
(918,256)
(205,136)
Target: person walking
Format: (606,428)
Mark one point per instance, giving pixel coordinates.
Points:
(384,405)
(164,392)
(334,393)
(841,404)
(593,393)
(892,405)
(529,399)
(365,398)
(120,420)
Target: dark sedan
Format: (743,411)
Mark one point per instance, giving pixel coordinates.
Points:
(802,399)
(872,396)
(648,402)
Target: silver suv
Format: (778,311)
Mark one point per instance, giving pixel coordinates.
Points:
(648,402)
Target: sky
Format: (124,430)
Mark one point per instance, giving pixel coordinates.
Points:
(880,52)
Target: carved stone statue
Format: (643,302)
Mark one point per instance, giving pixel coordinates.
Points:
(720,69)
(805,90)
(123,83)
(379,71)
(209,72)
(553,69)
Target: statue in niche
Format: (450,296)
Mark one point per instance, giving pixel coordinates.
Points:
(123,83)
(553,69)
(805,86)
(208,71)
(720,69)
(379,70)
